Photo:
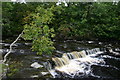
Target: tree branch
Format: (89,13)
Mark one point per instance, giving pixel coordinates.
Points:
(4,60)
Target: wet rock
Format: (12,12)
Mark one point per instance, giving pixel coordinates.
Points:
(44,73)
(65,46)
(90,42)
(111,52)
(1,50)
(28,44)
(6,45)
(117,50)
(60,52)
(34,76)
(100,43)
(116,53)
(19,44)
(22,51)
(2,43)
(36,65)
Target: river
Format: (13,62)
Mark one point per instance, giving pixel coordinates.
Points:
(20,60)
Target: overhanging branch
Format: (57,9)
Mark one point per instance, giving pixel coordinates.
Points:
(5,57)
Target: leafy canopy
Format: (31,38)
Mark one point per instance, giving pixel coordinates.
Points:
(39,32)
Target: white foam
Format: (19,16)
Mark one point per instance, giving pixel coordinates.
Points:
(80,65)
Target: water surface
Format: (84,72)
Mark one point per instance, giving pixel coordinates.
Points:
(22,57)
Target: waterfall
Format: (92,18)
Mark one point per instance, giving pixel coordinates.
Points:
(66,57)
(73,62)
(83,53)
(97,49)
(70,56)
(58,61)
(76,55)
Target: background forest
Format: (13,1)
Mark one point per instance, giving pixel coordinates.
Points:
(77,21)
(43,22)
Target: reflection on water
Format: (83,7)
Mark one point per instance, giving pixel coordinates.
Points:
(94,66)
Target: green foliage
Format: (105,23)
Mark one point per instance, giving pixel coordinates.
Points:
(104,20)
(42,21)
(14,68)
(88,21)
(39,32)
(13,17)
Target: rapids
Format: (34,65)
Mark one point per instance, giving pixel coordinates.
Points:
(74,59)
(76,63)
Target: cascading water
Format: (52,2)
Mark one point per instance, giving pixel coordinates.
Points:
(75,64)
(95,64)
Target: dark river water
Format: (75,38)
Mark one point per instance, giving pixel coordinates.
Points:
(20,60)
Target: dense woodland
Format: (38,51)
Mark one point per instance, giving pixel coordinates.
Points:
(43,22)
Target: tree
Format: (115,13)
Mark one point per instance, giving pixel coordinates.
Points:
(38,30)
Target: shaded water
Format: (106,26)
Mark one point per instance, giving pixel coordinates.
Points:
(22,57)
